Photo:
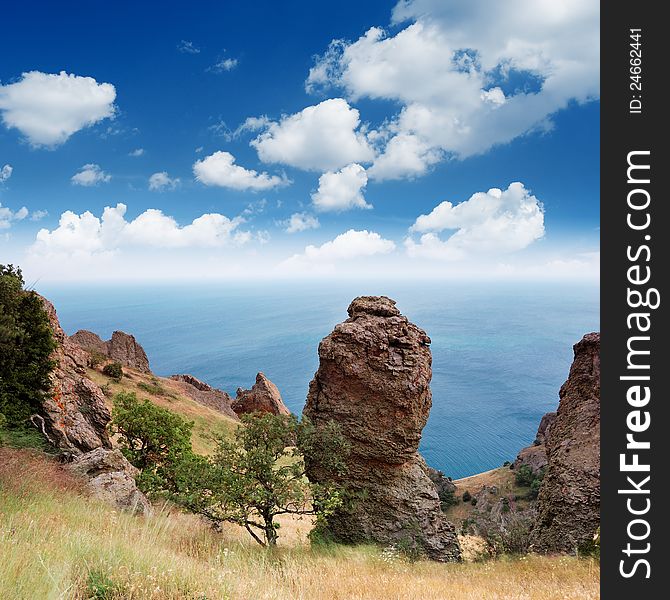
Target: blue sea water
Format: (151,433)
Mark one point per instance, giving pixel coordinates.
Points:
(500,351)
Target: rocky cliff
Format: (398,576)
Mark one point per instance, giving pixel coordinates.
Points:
(568,507)
(122,348)
(75,420)
(535,455)
(263,397)
(205,394)
(374,381)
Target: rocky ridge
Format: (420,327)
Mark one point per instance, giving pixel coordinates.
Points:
(263,397)
(122,348)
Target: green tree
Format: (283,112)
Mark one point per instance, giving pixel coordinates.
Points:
(152,438)
(261,475)
(26,344)
(114,371)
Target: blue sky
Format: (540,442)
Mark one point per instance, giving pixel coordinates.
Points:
(300,139)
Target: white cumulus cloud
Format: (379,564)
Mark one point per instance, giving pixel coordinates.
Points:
(137,152)
(322,137)
(341,190)
(225,64)
(162,181)
(488,223)
(6,173)
(7,216)
(347,246)
(88,234)
(220,169)
(48,108)
(90,175)
(468,76)
(300,222)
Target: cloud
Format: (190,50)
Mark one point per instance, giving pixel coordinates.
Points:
(187,47)
(7,216)
(47,108)
(300,222)
(220,169)
(323,137)
(468,76)
(38,215)
(90,175)
(162,181)
(226,64)
(345,247)
(87,234)
(488,223)
(6,173)
(137,152)
(341,190)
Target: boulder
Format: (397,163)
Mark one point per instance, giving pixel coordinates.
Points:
(568,505)
(205,394)
(111,478)
(374,381)
(263,397)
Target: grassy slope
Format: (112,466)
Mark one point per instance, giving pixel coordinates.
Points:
(57,543)
(502,478)
(209,423)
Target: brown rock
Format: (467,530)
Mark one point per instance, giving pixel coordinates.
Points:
(89,341)
(122,348)
(263,397)
(75,420)
(76,415)
(205,394)
(374,381)
(568,509)
(111,478)
(535,456)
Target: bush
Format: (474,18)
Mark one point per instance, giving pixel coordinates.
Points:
(467,496)
(26,344)
(154,388)
(524,476)
(473,501)
(509,536)
(96,358)
(153,439)
(113,371)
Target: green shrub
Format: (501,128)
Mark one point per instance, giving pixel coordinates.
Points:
(467,496)
(26,344)
(154,388)
(97,358)
(524,476)
(101,587)
(113,371)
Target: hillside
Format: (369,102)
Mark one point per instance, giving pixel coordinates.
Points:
(209,424)
(55,542)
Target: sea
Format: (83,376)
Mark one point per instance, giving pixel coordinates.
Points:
(500,350)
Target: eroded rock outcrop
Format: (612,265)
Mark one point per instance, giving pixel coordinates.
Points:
(75,420)
(122,348)
(111,478)
(535,455)
(263,397)
(374,381)
(205,394)
(568,507)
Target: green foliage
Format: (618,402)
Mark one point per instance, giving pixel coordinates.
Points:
(3,424)
(261,475)
(100,586)
(153,439)
(97,358)
(154,388)
(113,371)
(526,478)
(26,344)
(467,496)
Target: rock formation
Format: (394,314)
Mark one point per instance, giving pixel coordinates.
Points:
(444,486)
(263,397)
(205,394)
(568,507)
(535,456)
(111,478)
(75,420)
(374,381)
(122,348)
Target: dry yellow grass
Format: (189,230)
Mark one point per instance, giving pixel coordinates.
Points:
(55,543)
(208,423)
